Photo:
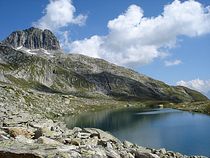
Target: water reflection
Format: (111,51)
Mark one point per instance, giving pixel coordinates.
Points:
(113,119)
(173,129)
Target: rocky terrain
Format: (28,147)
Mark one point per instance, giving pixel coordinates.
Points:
(23,135)
(39,84)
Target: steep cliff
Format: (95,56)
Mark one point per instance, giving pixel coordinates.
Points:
(33,38)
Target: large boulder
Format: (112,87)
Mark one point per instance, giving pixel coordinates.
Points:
(17,131)
(47,141)
(104,136)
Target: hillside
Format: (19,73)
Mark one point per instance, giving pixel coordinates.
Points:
(28,62)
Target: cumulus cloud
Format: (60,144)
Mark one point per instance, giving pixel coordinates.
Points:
(59,14)
(172,63)
(135,39)
(197,84)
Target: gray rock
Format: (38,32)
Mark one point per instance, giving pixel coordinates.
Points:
(76,141)
(44,123)
(48,141)
(90,141)
(92,131)
(8,154)
(143,149)
(14,119)
(33,38)
(100,153)
(124,154)
(104,136)
(46,132)
(76,130)
(145,155)
(83,135)
(3,137)
(179,155)
(170,153)
(87,151)
(66,148)
(74,154)
(112,153)
(127,144)
(24,140)
(109,145)
(162,151)
(2,132)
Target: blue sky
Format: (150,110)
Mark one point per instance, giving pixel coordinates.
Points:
(94,22)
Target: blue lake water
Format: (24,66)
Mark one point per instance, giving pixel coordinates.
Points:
(184,132)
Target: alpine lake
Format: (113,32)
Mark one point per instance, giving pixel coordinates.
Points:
(179,131)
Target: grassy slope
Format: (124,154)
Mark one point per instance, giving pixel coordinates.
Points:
(70,76)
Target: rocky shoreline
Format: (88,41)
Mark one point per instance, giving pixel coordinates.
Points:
(26,135)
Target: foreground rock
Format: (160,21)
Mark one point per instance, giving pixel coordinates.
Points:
(38,137)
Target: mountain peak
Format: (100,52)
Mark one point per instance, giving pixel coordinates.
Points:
(33,38)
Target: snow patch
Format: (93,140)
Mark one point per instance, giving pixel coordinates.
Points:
(29,51)
(35,51)
(18,48)
(45,51)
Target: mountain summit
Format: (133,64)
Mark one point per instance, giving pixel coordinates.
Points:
(33,38)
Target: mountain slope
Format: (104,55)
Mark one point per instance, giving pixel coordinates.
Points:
(57,72)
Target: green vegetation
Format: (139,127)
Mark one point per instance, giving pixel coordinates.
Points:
(208,107)
(198,106)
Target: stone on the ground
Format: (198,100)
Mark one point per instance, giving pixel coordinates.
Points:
(48,141)
(16,131)
(24,140)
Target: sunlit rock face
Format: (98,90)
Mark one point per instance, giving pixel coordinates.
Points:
(33,38)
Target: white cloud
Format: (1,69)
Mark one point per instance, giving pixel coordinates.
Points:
(59,14)
(135,39)
(172,63)
(90,47)
(197,84)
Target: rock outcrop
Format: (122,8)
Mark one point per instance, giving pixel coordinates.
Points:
(33,38)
